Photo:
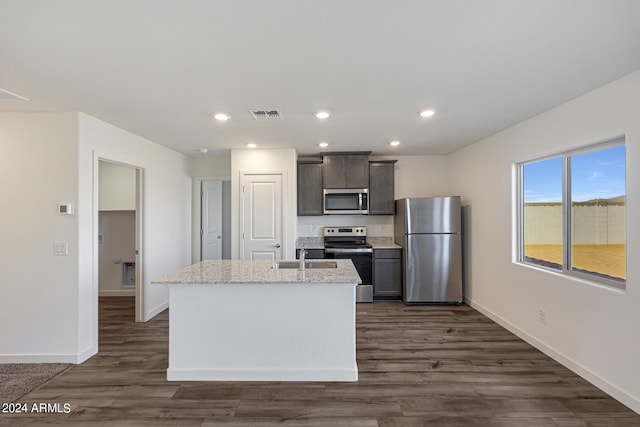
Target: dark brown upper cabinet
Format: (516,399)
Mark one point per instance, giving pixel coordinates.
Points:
(381,187)
(345,170)
(310,187)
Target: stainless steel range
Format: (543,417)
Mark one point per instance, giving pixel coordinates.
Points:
(351,243)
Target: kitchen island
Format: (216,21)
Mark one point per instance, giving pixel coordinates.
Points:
(236,320)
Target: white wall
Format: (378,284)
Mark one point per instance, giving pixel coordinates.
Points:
(265,161)
(166,213)
(213,165)
(38,291)
(419,176)
(592,329)
(48,305)
(117,187)
(415,176)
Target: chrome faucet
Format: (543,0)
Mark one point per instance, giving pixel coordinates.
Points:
(303,253)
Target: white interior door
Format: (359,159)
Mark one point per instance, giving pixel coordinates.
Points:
(262,209)
(211,232)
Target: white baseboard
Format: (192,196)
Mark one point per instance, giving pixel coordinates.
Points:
(117,292)
(153,313)
(49,358)
(88,353)
(39,358)
(323,375)
(633,402)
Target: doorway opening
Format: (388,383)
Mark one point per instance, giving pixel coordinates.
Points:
(119,233)
(212,219)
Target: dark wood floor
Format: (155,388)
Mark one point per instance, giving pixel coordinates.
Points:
(418,366)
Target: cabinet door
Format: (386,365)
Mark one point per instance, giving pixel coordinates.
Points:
(381,191)
(345,171)
(387,274)
(333,172)
(310,189)
(356,167)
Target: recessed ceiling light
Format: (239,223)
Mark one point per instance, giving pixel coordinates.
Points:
(251,145)
(427,113)
(394,143)
(223,117)
(324,144)
(204,150)
(322,115)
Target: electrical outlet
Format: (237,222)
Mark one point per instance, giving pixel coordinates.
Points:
(61,248)
(542,316)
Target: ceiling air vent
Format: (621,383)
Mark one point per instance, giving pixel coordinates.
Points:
(266,115)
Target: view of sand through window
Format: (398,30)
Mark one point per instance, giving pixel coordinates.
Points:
(608,260)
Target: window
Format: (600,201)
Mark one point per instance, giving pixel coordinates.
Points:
(572,213)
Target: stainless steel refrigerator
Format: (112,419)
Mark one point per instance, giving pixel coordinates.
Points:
(430,232)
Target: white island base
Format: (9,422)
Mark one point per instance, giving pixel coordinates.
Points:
(262,332)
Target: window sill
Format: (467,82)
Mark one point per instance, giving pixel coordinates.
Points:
(611,285)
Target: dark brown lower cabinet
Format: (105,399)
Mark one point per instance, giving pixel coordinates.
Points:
(387,274)
(312,254)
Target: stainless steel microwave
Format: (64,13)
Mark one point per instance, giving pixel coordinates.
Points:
(346,201)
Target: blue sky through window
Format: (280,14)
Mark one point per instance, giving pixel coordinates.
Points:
(595,175)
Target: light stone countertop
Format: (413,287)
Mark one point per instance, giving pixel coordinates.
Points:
(259,271)
(383,243)
(376,243)
(310,243)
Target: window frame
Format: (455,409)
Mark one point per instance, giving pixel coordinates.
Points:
(566,212)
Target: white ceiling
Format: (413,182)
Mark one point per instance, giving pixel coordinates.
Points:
(161,68)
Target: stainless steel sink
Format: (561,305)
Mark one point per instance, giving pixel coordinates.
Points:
(307,264)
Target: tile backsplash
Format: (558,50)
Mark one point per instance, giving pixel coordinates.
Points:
(377,225)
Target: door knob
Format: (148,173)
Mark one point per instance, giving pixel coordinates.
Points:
(219,237)
(277,245)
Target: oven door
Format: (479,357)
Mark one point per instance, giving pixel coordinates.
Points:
(363,261)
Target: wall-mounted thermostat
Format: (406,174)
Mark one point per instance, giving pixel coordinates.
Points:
(65,209)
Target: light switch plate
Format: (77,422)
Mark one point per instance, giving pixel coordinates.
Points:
(61,248)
